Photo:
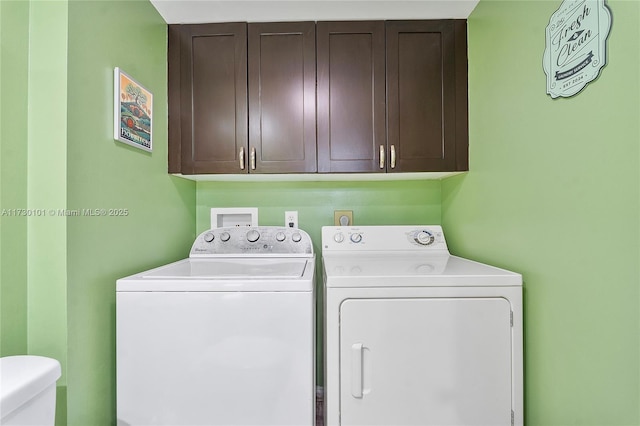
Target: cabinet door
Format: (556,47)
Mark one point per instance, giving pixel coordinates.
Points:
(426,361)
(208,77)
(282,100)
(427,95)
(351,96)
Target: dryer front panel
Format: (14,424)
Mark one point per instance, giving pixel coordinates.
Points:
(426,361)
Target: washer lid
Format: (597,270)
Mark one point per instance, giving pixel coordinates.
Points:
(231,268)
(407,269)
(225,274)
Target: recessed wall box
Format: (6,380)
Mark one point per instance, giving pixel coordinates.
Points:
(343,217)
(234,216)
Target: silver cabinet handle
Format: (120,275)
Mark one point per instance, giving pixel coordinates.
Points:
(382,156)
(241,156)
(253,158)
(393,156)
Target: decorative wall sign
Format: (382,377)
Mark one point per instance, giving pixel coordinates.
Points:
(133,106)
(576,39)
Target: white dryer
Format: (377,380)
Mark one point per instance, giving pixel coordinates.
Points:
(225,337)
(415,336)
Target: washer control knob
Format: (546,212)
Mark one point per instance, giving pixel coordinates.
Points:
(208,237)
(280,236)
(356,238)
(225,236)
(339,237)
(424,238)
(296,237)
(253,236)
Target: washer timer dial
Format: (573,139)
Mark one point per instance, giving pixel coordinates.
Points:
(424,238)
(253,236)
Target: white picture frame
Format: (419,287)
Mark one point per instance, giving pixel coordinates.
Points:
(133,112)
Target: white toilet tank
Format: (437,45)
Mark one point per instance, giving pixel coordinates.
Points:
(28,390)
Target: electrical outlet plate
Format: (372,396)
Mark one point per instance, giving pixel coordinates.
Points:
(338,214)
(291,219)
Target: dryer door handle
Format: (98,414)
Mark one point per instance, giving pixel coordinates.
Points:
(356,370)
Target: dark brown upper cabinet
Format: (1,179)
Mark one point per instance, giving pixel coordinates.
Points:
(351,96)
(242,98)
(207,97)
(427,126)
(423,67)
(282,97)
(391,97)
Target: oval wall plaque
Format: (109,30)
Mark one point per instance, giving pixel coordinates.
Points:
(575,51)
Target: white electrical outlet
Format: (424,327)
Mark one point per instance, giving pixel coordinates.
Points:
(291,219)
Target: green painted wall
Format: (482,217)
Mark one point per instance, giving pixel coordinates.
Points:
(46,186)
(389,202)
(14,49)
(553,193)
(103,173)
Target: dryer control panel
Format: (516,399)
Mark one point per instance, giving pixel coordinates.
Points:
(252,240)
(383,238)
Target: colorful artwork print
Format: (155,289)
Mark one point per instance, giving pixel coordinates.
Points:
(133,112)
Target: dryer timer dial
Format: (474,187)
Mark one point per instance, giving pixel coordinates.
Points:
(356,238)
(424,238)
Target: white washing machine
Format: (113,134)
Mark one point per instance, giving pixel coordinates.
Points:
(225,337)
(415,336)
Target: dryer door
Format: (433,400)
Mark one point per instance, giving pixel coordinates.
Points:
(425,361)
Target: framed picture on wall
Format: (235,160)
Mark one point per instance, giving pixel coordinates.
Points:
(133,112)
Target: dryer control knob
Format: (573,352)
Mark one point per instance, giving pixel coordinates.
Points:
(208,237)
(253,236)
(339,237)
(225,236)
(356,238)
(280,236)
(424,238)
(296,237)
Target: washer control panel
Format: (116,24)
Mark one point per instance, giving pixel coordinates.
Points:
(383,238)
(254,240)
